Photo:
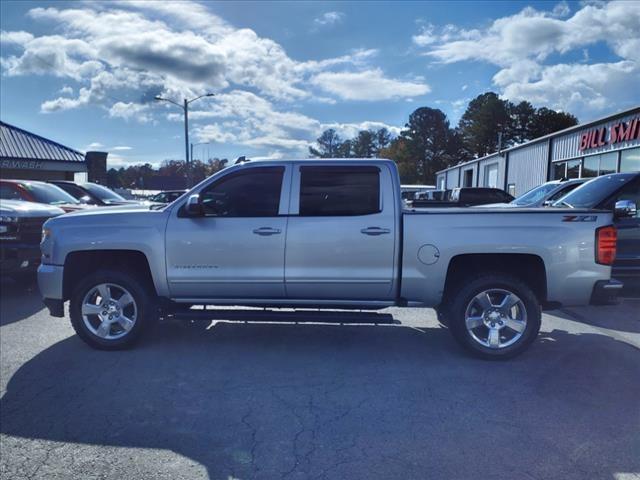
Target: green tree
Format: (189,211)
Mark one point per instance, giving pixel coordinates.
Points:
(398,151)
(113,178)
(343,150)
(329,145)
(522,119)
(486,117)
(546,121)
(430,143)
(364,145)
(382,140)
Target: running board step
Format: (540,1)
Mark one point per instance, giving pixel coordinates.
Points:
(277,316)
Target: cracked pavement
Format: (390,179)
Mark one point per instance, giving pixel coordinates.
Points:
(270,401)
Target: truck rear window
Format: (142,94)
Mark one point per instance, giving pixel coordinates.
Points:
(339,191)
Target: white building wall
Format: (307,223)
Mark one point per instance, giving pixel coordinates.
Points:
(500,160)
(452,178)
(528,166)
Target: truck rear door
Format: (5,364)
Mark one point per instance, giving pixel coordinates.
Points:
(341,233)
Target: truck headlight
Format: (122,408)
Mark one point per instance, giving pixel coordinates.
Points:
(46,233)
(8,219)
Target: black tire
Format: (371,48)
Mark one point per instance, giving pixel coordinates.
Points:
(143,297)
(462,297)
(27,279)
(442,316)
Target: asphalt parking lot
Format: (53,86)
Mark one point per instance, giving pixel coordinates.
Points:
(242,401)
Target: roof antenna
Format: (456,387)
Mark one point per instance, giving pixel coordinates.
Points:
(241,159)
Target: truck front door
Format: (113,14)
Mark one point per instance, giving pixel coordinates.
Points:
(236,250)
(341,236)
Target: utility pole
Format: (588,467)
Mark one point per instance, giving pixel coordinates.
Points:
(186,144)
(185,109)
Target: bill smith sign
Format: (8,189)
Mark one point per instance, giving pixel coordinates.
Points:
(616,133)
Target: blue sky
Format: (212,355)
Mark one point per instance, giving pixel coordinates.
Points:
(85,73)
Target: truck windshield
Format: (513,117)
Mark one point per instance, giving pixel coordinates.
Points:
(103,193)
(46,193)
(592,193)
(534,195)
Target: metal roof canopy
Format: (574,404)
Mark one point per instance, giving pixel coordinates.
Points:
(16,143)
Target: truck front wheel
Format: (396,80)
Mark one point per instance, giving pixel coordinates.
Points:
(495,316)
(110,309)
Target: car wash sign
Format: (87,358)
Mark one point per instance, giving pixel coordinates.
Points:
(615,133)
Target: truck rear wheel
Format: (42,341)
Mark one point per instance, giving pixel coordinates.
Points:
(110,309)
(496,316)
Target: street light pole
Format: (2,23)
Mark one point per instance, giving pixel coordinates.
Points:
(186,142)
(185,109)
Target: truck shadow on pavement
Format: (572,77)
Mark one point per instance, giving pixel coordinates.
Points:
(302,401)
(626,314)
(18,300)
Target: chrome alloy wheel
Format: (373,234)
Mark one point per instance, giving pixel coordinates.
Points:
(109,311)
(496,318)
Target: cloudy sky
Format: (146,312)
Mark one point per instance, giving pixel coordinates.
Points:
(85,73)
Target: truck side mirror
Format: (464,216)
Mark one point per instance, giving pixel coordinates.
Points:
(625,208)
(193,207)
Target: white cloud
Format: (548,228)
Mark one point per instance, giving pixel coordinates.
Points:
(131,111)
(350,130)
(65,103)
(329,19)
(521,46)
(94,145)
(536,34)
(561,9)
(121,148)
(118,55)
(245,119)
(15,38)
(426,36)
(367,85)
(571,87)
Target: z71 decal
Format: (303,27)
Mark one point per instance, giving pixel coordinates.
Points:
(579,218)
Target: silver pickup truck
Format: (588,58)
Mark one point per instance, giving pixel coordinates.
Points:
(329,234)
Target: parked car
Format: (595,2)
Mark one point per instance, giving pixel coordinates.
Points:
(39,192)
(410,192)
(542,195)
(466,197)
(20,232)
(434,195)
(167,196)
(322,234)
(93,193)
(618,192)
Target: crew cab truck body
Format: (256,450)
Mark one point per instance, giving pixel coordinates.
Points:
(324,234)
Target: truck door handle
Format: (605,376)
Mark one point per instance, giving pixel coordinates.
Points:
(265,231)
(375,231)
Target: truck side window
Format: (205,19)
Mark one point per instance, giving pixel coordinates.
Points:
(254,192)
(339,191)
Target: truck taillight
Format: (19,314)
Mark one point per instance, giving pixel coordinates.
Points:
(606,238)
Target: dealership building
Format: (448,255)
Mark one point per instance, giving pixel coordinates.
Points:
(27,156)
(607,145)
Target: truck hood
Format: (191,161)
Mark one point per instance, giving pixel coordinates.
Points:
(115,217)
(98,213)
(20,208)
